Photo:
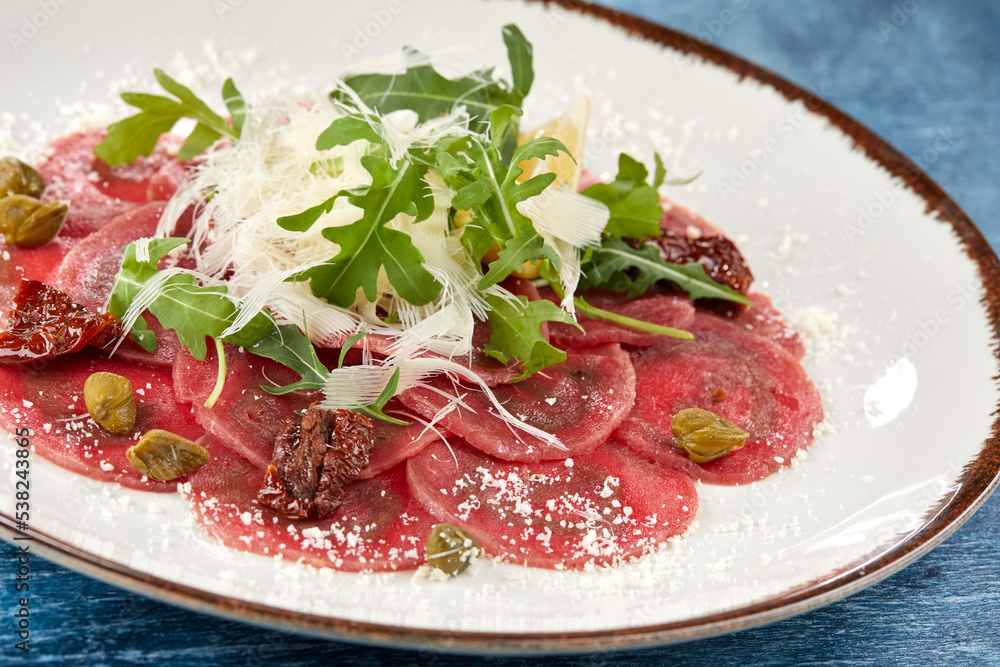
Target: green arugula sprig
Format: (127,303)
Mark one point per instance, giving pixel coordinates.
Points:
(368,244)
(618,266)
(488,186)
(515,332)
(197,313)
(594,313)
(485,184)
(634,204)
(636,211)
(193,311)
(137,135)
(429,94)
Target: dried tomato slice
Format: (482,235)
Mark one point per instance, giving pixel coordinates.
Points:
(45,323)
(720,257)
(314,461)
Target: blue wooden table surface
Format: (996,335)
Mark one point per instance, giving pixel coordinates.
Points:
(908,69)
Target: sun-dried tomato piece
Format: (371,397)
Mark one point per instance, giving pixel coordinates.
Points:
(45,323)
(721,258)
(315,460)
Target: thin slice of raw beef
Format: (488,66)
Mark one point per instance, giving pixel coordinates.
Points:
(95,192)
(764,320)
(605,508)
(394,444)
(738,375)
(378,527)
(245,417)
(662,308)
(580,400)
(48,398)
(88,273)
(166,181)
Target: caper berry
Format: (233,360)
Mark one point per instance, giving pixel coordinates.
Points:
(165,456)
(705,435)
(28,223)
(451,549)
(18,178)
(110,401)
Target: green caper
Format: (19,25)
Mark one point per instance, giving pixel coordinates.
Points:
(18,178)
(165,456)
(110,401)
(705,435)
(28,223)
(451,549)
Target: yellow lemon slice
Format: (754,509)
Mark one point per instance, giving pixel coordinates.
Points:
(569,128)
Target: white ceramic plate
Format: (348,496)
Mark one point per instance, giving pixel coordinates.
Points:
(819,207)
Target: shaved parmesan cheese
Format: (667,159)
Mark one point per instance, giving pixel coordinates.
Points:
(357,386)
(569,222)
(564,214)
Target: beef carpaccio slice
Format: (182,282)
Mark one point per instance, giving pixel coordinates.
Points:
(245,417)
(47,396)
(380,526)
(764,320)
(580,400)
(394,444)
(665,309)
(248,419)
(95,192)
(88,273)
(608,507)
(743,377)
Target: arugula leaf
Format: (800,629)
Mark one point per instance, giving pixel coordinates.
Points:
(197,313)
(485,184)
(345,131)
(346,347)
(192,311)
(515,332)
(137,135)
(131,276)
(290,347)
(368,244)
(375,409)
(520,54)
(235,103)
(425,91)
(634,204)
(607,266)
(595,313)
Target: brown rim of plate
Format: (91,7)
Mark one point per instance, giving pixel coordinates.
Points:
(978,479)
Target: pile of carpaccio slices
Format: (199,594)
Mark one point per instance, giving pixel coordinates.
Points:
(619,490)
